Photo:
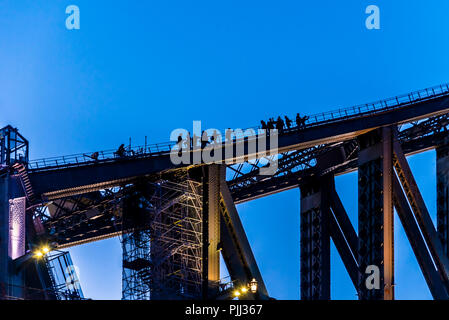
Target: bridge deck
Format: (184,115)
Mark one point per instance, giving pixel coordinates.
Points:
(68,175)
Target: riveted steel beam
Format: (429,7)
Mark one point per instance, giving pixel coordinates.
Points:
(376,213)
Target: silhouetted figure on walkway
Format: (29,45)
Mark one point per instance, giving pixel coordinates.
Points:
(263,124)
(228,136)
(121,151)
(303,121)
(288,122)
(298,120)
(280,124)
(95,155)
(270,124)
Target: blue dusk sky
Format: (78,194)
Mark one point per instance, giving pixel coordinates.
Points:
(143,68)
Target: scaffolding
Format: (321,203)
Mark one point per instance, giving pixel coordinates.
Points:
(162,242)
(13,147)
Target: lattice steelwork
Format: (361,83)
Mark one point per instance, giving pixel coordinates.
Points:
(375,206)
(162,253)
(315,243)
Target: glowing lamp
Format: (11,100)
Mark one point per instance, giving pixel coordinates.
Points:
(253,286)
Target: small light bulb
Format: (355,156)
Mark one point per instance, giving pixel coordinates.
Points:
(38,254)
(236,293)
(45,250)
(244,290)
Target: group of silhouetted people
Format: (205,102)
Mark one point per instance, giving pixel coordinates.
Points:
(197,141)
(280,124)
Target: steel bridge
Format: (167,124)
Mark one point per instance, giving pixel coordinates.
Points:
(176,220)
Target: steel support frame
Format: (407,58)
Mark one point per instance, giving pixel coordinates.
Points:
(236,249)
(323,217)
(12,280)
(375,208)
(424,258)
(344,236)
(442,172)
(315,240)
(421,214)
(211,231)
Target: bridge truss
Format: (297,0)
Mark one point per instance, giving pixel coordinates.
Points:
(175,222)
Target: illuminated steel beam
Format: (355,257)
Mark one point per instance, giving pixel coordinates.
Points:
(211,230)
(376,213)
(420,211)
(237,252)
(433,278)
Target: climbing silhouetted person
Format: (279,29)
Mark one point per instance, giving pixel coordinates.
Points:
(288,122)
(303,121)
(270,124)
(280,124)
(95,155)
(298,120)
(228,135)
(121,151)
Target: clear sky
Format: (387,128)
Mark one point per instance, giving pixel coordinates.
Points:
(143,68)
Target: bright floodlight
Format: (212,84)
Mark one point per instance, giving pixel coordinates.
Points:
(236,293)
(45,250)
(38,254)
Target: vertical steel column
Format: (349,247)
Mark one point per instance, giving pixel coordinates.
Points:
(442,152)
(376,213)
(4,233)
(211,230)
(214,225)
(11,280)
(315,240)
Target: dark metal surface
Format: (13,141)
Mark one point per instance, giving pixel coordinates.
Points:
(315,240)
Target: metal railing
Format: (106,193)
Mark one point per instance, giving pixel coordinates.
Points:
(313,120)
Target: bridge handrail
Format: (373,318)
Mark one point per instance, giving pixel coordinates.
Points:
(313,120)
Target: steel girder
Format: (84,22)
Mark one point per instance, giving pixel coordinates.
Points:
(236,249)
(315,240)
(344,236)
(424,258)
(211,230)
(421,214)
(293,167)
(323,217)
(442,173)
(376,213)
(340,158)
